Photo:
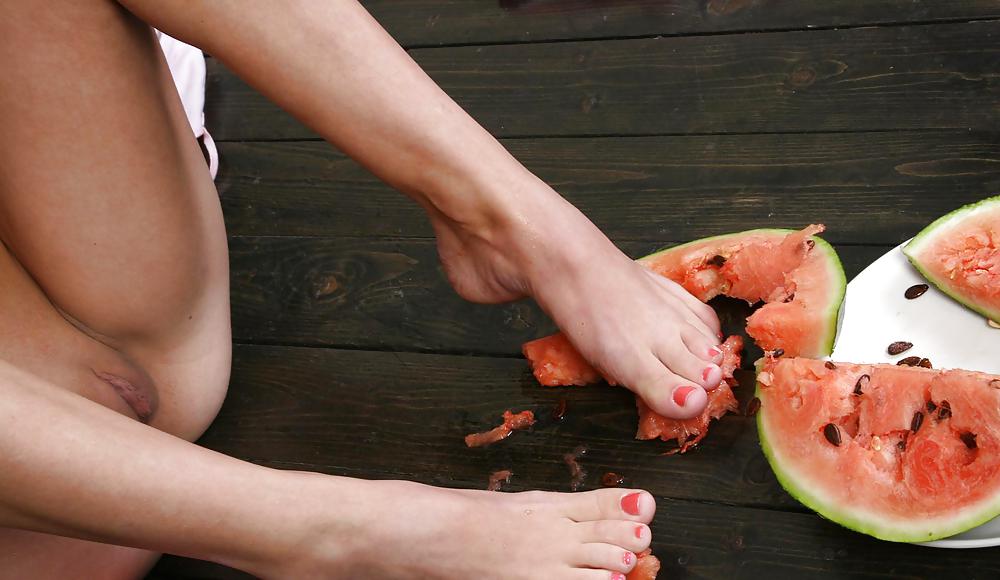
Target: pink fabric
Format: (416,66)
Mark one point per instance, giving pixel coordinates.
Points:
(187,66)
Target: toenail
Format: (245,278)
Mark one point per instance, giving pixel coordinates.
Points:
(681,394)
(630,504)
(617,576)
(714,352)
(705,373)
(639,530)
(628,558)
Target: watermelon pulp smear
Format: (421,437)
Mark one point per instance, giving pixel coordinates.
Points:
(900,453)
(960,254)
(797,275)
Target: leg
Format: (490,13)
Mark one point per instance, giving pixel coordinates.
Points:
(105,200)
(121,264)
(331,65)
(107,210)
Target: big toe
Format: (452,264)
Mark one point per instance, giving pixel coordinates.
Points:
(609,504)
(673,396)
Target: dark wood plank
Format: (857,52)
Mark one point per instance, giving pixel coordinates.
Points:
(398,415)
(391,415)
(433,22)
(914,77)
(385,294)
(645,187)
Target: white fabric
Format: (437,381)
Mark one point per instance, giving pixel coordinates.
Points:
(187,66)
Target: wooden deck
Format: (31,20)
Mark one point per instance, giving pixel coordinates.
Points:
(664,121)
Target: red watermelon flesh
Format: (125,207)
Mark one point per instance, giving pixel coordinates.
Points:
(960,254)
(919,449)
(688,432)
(647,566)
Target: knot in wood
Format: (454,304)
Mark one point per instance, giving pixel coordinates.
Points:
(802,76)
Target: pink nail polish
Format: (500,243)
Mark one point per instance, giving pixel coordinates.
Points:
(706,372)
(630,504)
(714,352)
(638,531)
(617,576)
(628,558)
(681,394)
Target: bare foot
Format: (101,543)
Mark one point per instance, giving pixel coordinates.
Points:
(639,329)
(410,530)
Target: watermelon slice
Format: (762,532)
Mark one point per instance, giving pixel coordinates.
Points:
(799,276)
(960,254)
(905,454)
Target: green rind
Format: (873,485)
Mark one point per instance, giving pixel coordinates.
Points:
(834,267)
(912,532)
(927,236)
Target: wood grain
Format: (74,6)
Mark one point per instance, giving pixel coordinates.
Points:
(433,22)
(639,188)
(911,77)
(384,294)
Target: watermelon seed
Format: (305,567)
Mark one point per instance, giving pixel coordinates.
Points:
(931,406)
(778,352)
(753,406)
(830,365)
(862,384)
(925,363)
(612,479)
(790,297)
(832,434)
(559,411)
(918,420)
(910,361)
(876,443)
(810,244)
(969,439)
(717,261)
(899,347)
(945,411)
(995,384)
(901,445)
(915,291)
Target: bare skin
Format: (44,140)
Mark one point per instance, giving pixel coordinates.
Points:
(114,322)
(332,66)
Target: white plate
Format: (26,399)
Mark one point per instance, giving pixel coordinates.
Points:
(876,314)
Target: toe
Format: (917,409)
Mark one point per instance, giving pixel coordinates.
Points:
(634,505)
(673,396)
(606,557)
(630,536)
(667,393)
(592,574)
(709,320)
(693,364)
(707,349)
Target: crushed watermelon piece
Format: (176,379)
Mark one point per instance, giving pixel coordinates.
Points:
(647,566)
(511,423)
(688,432)
(555,362)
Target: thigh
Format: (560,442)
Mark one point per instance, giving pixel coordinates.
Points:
(105,199)
(113,247)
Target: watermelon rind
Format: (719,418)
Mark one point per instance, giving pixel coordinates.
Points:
(837,278)
(908,531)
(929,235)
